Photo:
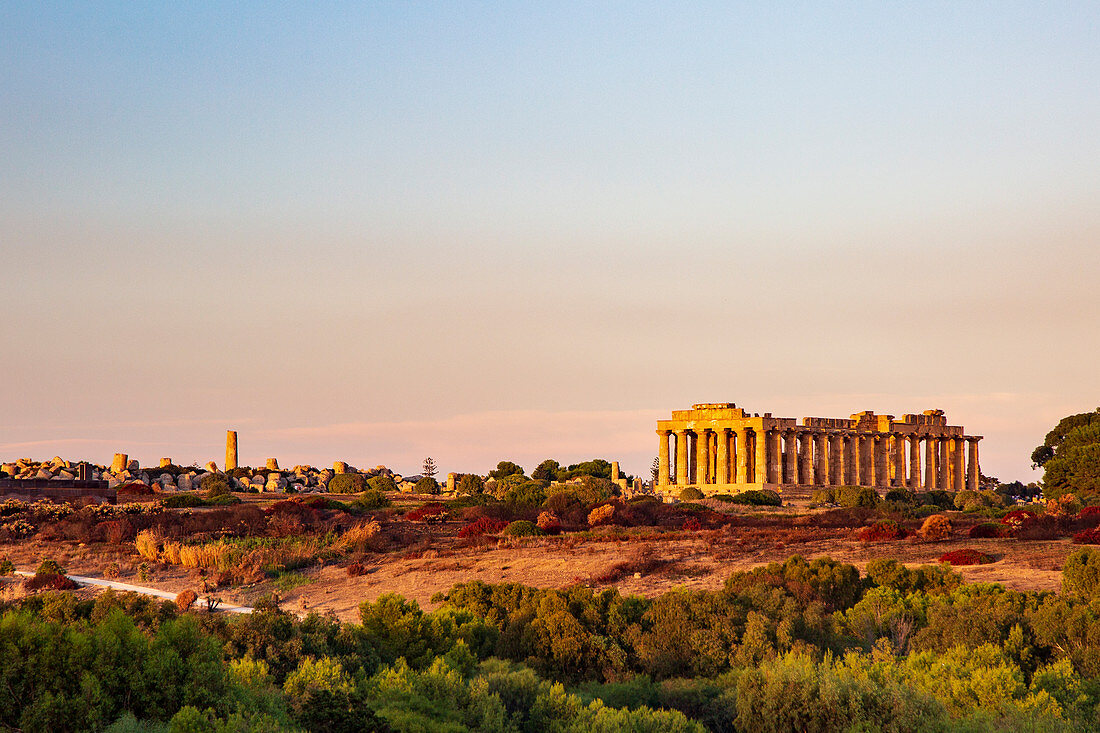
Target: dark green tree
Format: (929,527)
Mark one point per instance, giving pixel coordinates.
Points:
(547,470)
(506,468)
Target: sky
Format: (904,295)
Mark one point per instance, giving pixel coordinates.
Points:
(375,232)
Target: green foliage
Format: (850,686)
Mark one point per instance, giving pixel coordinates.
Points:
(924,579)
(690,493)
(347,483)
(370,499)
(50,566)
(756,497)
(470,484)
(596,468)
(521,528)
(214,485)
(427,485)
(506,468)
(526,495)
(546,471)
(6,567)
(823,496)
(1081,574)
(857,496)
(382,483)
(1055,438)
(587,491)
(183,501)
(1070,455)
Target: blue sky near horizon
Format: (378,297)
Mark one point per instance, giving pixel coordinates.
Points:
(532,230)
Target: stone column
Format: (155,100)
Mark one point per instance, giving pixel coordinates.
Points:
(821,459)
(897,464)
(849,452)
(230,450)
(722,474)
(272,464)
(775,457)
(702,460)
(790,467)
(914,462)
(949,463)
(859,460)
(760,465)
(882,456)
(119,463)
(681,458)
(973,472)
(931,462)
(662,458)
(742,456)
(806,457)
(957,468)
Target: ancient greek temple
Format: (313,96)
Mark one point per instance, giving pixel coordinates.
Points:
(720,448)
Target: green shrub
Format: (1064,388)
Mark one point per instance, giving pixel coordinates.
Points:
(758,497)
(427,485)
(371,499)
(382,482)
(823,496)
(521,528)
(470,484)
(183,501)
(901,496)
(939,498)
(527,495)
(222,500)
(214,485)
(347,483)
(589,491)
(50,566)
(1081,574)
(691,494)
(6,567)
(857,496)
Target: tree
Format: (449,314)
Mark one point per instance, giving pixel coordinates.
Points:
(506,468)
(430,469)
(1070,456)
(1054,438)
(470,484)
(547,470)
(427,485)
(655,469)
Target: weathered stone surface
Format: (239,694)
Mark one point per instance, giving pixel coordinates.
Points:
(211,467)
(43,474)
(184,482)
(230,450)
(120,462)
(66,475)
(165,462)
(339,467)
(133,466)
(273,464)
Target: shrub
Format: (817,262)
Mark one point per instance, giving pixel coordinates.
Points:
(967,556)
(371,499)
(356,569)
(429,512)
(691,494)
(1064,505)
(601,515)
(49,581)
(6,567)
(214,485)
(1081,574)
(185,599)
(347,483)
(482,526)
(183,501)
(692,524)
(1089,511)
(470,484)
(1087,537)
(884,529)
(938,497)
(383,482)
(823,496)
(521,528)
(526,495)
(989,530)
(857,496)
(936,528)
(427,485)
(1018,518)
(548,522)
(49,567)
(902,496)
(757,497)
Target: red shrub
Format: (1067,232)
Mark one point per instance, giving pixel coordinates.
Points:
(51,581)
(433,510)
(1089,511)
(482,526)
(549,523)
(1088,536)
(691,524)
(1046,527)
(884,529)
(356,569)
(1018,517)
(990,529)
(136,489)
(966,556)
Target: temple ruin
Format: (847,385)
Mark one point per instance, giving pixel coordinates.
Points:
(719,448)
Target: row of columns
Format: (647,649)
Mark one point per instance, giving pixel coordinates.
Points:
(813,457)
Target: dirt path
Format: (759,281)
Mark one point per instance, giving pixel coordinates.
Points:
(144,590)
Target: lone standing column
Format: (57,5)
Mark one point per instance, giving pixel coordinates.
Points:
(662,457)
(914,462)
(722,475)
(973,473)
(230,450)
(681,458)
(742,456)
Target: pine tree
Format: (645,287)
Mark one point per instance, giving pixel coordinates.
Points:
(429,468)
